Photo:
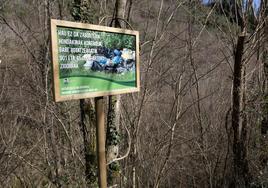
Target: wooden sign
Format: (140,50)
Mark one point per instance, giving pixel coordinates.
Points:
(92,60)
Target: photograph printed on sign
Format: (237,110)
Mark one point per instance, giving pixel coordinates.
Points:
(95,61)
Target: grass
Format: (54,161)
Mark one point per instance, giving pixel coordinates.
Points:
(97,82)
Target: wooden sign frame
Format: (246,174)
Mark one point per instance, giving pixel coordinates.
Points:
(92,28)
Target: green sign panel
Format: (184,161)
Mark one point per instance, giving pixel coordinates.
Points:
(91,60)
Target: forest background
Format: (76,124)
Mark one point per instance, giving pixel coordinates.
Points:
(200,119)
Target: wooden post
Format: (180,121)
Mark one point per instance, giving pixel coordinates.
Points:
(101,142)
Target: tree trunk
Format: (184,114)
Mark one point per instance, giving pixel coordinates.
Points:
(89,153)
(264,12)
(113,116)
(241,172)
(264,110)
(79,11)
(52,130)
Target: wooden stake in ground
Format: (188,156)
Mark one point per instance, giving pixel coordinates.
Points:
(101,141)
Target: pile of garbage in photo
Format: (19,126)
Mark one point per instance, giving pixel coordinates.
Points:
(111,60)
